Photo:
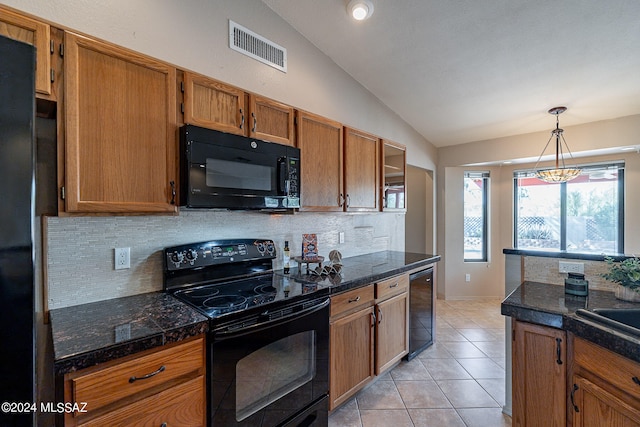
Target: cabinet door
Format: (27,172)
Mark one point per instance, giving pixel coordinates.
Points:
(320,143)
(27,30)
(392,333)
(271,120)
(351,359)
(593,406)
(120,129)
(361,173)
(539,376)
(394,187)
(214,105)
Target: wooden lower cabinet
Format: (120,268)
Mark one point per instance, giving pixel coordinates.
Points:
(164,386)
(351,343)
(392,322)
(351,355)
(539,376)
(605,389)
(594,406)
(369,335)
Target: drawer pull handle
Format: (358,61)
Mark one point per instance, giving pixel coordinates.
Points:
(145,377)
(395,285)
(356,299)
(636,380)
(163,425)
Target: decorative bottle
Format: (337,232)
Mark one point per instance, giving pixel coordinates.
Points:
(286,257)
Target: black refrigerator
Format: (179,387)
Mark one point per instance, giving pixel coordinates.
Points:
(17,188)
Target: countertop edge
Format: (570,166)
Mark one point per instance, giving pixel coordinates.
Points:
(608,338)
(563,254)
(366,280)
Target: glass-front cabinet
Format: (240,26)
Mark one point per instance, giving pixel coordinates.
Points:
(394,176)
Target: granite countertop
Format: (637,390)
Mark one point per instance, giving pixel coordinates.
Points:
(85,335)
(563,254)
(548,305)
(362,270)
(88,334)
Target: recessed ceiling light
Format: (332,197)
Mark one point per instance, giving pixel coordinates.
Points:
(360,9)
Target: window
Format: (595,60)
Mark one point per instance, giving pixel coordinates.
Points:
(583,215)
(476,188)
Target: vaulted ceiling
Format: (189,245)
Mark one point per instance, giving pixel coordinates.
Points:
(468,70)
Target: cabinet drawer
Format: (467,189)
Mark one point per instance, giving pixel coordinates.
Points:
(125,379)
(615,369)
(182,405)
(392,286)
(347,301)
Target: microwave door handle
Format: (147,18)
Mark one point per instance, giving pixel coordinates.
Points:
(283,183)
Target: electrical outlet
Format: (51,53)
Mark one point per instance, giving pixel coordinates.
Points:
(123,332)
(122,258)
(341,237)
(467,277)
(571,267)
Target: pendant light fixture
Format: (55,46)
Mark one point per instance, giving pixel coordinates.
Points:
(559,174)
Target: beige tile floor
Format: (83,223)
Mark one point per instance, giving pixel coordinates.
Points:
(457,382)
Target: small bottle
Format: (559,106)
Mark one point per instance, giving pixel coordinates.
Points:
(286,257)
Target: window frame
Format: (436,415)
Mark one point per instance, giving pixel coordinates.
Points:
(618,165)
(485,176)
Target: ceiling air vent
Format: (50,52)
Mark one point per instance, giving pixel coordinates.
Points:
(257,47)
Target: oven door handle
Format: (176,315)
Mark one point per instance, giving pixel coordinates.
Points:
(225,333)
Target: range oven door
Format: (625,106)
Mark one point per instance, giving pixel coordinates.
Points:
(273,372)
(221,170)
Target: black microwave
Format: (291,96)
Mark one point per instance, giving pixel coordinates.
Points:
(226,171)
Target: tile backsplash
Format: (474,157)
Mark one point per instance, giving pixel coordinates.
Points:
(80,250)
(545,270)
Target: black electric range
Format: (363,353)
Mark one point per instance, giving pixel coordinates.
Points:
(266,329)
(227,278)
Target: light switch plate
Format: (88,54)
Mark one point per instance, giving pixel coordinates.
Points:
(571,267)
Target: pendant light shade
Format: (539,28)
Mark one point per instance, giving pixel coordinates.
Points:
(560,173)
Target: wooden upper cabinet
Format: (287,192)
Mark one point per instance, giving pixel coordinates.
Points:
(320,143)
(211,104)
(271,120)
(121,134)
(361,170)
(394,183)
(27,30)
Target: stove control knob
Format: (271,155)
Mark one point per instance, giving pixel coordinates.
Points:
(192,255)
(260,247)
(270,247)
(177,258)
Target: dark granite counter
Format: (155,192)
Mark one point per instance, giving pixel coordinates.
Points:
(362,270)
(563,254)
(88,334)
(548,305)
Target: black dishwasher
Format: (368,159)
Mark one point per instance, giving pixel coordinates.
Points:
(421,311)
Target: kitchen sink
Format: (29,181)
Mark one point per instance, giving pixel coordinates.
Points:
(624,319)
